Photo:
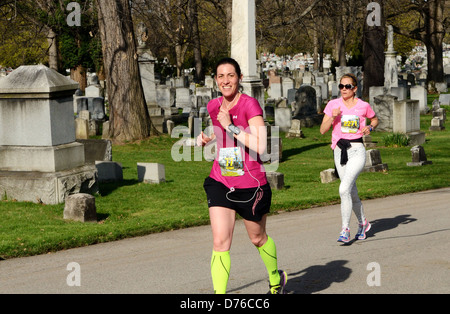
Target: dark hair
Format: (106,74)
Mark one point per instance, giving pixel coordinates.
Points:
(231,61)
(352,77)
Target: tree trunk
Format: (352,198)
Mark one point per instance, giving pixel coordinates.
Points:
(199,75)
(129,118)
(373,48)
(53,54)
(431,32)
(433,38)
(79,75)
(340,42)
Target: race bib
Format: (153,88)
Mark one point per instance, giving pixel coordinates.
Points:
(349,124)
(230,162)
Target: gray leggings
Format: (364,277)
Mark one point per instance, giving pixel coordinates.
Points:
(347,189)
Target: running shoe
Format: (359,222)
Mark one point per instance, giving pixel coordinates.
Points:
(344,236)
(279,289)
(362,229)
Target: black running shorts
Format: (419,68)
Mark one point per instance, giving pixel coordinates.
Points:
(248,204)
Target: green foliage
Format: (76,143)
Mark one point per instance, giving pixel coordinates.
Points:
(23,40)
(20,44)
(80,45)
(396,140)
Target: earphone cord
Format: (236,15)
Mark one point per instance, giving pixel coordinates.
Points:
(254,194)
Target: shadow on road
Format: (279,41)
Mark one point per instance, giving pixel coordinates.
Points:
(385,224)
(317,278)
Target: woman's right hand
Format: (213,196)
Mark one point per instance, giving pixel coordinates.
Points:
(336,112)
(202,139)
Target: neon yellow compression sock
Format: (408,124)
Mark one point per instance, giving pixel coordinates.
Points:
(268,254)
(220,271)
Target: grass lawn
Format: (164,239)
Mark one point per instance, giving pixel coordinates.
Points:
(131,208)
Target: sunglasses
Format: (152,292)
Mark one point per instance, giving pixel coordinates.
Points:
(347,86)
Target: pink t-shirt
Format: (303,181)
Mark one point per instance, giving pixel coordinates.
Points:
(233,160)
(350,123)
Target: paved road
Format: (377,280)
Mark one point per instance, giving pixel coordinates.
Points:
(408,251)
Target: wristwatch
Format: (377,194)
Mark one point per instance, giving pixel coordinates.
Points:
(234,129)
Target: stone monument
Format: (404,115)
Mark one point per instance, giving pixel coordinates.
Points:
(146,62)
(243,47)
(40,161)
(390,62)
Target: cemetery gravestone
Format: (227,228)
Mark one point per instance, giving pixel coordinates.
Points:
(37,138)
(151,172)
(80,207)
(305,108)
(418,157)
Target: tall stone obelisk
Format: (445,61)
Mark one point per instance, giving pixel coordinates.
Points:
(243,47)
(390,63)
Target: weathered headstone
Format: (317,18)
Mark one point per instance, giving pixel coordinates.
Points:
(437,124)
(81,128)
(419,157)
(305,107)
(420,93)
(147,71)
(80,207)
(444,99)
(295,130)
(276,180)
(373,162)
(283,118)
(328,175)
(183,98)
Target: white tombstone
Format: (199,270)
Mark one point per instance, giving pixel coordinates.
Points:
(406,116)
(420,93)
(183,97)
(93,91)
(375,91)
(165,97)
(287,84)
(283,117)
(406,119)
(275,91)
(147,71)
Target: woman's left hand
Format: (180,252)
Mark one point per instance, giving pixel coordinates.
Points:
(366,130)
